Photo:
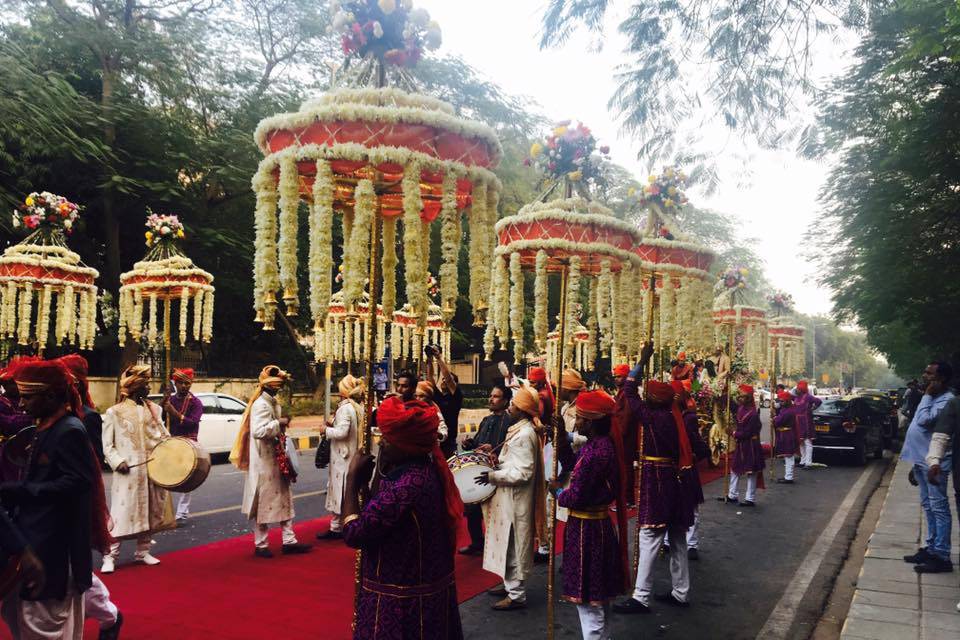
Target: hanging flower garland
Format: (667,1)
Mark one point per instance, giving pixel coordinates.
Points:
(540,326)
(449,247)
(516,306)
(389,243)
(321,243)
(357,255)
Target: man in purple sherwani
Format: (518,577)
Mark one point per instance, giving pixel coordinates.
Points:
(185,411)
(406,530)
(690,478)
(787,442)
(662,509)
(594,554)
(805,403)
(748,457)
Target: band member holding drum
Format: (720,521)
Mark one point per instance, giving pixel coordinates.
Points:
(58,507)
(185,412)
(594,554)
(131,429)
(267,496)
(516,513)
(343,434)
(407,530)
(492,432)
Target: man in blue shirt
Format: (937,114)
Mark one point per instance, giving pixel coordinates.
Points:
(935,556)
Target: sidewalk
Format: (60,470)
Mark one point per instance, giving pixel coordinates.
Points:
(892,601)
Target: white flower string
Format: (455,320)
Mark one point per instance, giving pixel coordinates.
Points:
(389,241)
(540,298)
(289,189)
(358,247)
(321,243)
(516,306)
(416,276)
(449,246)
(573,300)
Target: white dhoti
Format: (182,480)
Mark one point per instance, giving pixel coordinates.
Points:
(594,621)
(97,604)
(650,542)
(45,619)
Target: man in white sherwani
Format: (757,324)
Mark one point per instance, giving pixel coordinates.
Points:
(259,449)
(131,429)
(343,436)
(516,511)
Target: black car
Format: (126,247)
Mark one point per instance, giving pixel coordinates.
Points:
(856,425)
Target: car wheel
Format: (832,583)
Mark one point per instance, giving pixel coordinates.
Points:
(860,452)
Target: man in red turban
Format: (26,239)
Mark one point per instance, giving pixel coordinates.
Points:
(185,412)
(786,443)
(538,380)
(683,370)
(70,520)
(626,427)
(748,457)
(407,529)
(805,403)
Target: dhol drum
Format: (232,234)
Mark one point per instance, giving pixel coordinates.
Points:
(466,467)
(178,464)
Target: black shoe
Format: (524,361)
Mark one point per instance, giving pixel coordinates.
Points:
(921,556)
(113,632)
(330,535)
(748,503)
(498,591)
(728,500)
(934,564)
(630,605)
(669,599)
(784,481)
(470,550)
(263,553)
(295,548)
(693,554)
(541,558)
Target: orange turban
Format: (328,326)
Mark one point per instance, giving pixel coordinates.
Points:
(134,377)
(593,405)
(537,374)
(621,370)
(682,356)
(571,380)
(183,375)
(527,400)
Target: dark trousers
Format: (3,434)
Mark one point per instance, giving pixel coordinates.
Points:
(474,515)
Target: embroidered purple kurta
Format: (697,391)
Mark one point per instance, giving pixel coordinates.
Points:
(787,444)
(748,458)
(592,570)
(192,410)
(805,404)
(690,478)
(408,588)
(662,502)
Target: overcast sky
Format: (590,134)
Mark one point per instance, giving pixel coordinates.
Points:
(776,204)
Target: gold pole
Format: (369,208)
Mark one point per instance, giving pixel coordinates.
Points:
(370,339)
(726,418)
(638,464)
(167,350)
(555,463)
(773,427)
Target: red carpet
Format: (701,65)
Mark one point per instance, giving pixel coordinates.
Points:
(221,590)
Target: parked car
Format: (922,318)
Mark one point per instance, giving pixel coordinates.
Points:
(763,398)
(220,422)
(856,425)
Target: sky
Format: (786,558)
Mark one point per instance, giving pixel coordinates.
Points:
(776,204)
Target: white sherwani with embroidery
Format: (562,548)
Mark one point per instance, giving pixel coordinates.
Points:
(343,446)
(267,497)
(137,506)
(510,511)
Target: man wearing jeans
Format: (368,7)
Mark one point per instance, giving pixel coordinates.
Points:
(935,556)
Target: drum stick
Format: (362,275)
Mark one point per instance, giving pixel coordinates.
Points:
(140,464)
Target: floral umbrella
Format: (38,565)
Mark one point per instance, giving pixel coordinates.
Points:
(342,338)
(41,278)
(374,155)
(164,276)
(788,341)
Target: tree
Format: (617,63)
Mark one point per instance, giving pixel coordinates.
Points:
(891,231)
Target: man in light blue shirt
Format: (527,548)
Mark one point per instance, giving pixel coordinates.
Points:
(935,557)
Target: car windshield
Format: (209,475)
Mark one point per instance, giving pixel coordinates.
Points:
(832,407)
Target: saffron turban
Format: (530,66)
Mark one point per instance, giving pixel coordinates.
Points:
(537,374)
(78,366)
(571,380)
(682,356)
(528,400)
(621,370)
(351,387)
(593,405)
(273,377)
(183,375)
(802,386)
(134,377)
(746,389)
(784,396)
(659,392)
(426,388)
(40,376)
(8,373)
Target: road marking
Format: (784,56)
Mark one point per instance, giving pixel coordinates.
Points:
(781,618)
(211,512)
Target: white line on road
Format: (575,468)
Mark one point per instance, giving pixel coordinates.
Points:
(782,616)
(211,512)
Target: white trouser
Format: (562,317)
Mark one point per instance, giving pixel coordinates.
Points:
(734,493)
(594,621)
(45,619)
(512,581)
(97,604)
(183,506)
(143,547)
(788,463)
(260,534)
(650,541)
(335,523)
(806,452)
(693,533)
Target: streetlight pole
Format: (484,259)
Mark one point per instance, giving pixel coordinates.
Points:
(814,373)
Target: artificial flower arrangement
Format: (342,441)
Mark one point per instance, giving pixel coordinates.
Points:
(570,151)
(389,29)
(45,210)
(732,279)
(781,302)
(664,190)
(162,227)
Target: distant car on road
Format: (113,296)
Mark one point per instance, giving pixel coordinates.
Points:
(856,425)
(220,422)
(764,397)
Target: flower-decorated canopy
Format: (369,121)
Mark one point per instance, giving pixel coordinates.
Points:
(342,337)
(788,340)
(43,282)
(369,153)
(164,276)
(406,341)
